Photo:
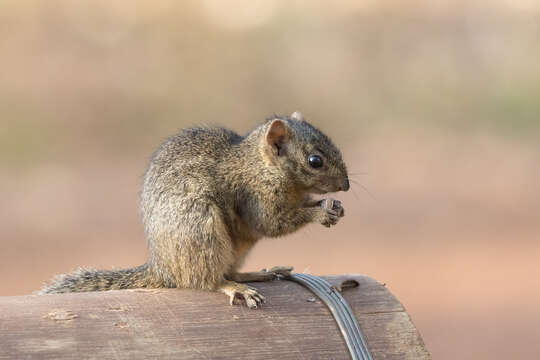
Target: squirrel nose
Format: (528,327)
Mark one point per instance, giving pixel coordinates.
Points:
(345,185)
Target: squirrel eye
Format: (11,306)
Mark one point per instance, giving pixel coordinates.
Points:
(315,161)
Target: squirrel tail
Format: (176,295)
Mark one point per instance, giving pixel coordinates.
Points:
(98,280)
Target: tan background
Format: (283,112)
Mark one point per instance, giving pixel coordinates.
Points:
(435,105)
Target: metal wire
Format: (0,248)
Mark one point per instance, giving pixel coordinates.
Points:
(341,311)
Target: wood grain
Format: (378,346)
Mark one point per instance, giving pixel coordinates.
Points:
(189,324)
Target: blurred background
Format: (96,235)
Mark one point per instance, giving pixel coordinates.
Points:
(435,105)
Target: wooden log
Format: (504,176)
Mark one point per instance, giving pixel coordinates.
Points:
(189,324)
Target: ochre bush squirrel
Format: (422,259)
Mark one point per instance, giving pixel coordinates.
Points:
(210,194)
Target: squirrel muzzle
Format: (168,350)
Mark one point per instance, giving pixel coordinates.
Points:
(345,185)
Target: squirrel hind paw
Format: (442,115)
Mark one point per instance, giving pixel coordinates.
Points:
(239,293)
(281,271)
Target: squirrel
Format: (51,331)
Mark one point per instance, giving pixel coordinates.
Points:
(210,194)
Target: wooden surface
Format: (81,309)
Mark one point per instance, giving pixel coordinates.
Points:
(187,324)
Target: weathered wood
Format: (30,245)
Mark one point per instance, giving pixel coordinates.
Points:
(187,324)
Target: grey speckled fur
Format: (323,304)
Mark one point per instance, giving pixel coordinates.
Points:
(210,194)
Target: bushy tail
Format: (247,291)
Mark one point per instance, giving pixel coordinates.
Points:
(98,280)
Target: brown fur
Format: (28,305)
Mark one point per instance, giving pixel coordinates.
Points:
(210,194)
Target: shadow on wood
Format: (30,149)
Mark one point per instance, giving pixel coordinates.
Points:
(188,324)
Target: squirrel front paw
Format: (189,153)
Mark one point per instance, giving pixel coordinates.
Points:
(331,211)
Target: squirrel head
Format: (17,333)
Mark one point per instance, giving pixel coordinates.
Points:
(306,155)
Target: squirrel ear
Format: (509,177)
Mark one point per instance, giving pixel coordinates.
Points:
(276,136)
(297,116)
